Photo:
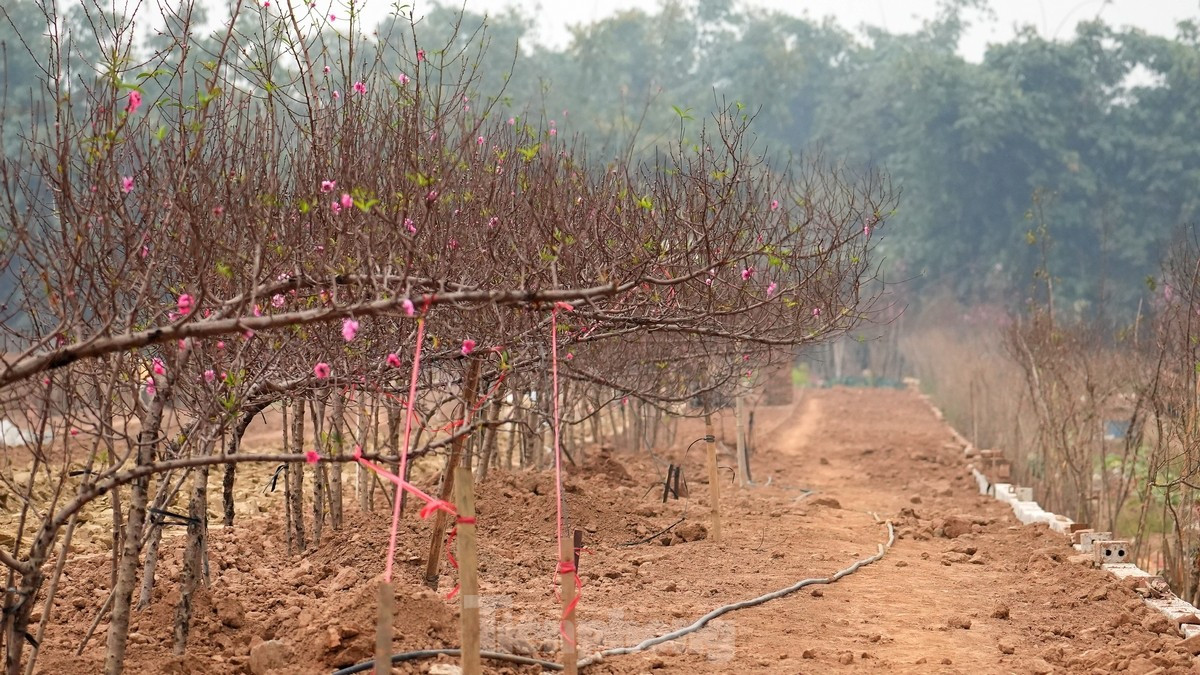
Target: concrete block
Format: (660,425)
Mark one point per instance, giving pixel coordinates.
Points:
(1173,607)
(1060,524)
(1087,538)
(1075,527)
(1126,570)
(1024,494)
(1112,551)
(1003,492)
(1029,512)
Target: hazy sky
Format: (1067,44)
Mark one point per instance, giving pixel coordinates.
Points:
(1053,18)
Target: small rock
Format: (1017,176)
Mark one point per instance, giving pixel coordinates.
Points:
(946,661)
(445,669)
(1157,623)
(692,532)
(959,622)
(267,656)
(846,659)
(230,612)
(1040,667)
(823,462)
(832,503)
(808,654)
(915,499)
(1007,647)
(921,661)
(956,526)
(817,593)
(1000,612)
(901,563)
(344,579)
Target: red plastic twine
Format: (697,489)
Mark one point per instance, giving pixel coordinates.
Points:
(450,556)
(408,416)
(567,566)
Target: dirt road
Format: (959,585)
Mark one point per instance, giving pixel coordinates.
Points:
(964,589)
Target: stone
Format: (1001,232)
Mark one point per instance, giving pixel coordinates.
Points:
(959,622)
(808,654)
(267,656)
(828,502)
(846,659)
(1157,623)
(1000,612)
(445,669)
(692,532)
(956,526)
(344,579)
(230,612)
(1007,647)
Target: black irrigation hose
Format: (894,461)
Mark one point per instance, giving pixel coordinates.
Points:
(648,643)
(432,653)
(702,621)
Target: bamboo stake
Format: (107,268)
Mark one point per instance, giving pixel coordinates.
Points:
(383,628)
(742,457)
(714,482)
(570,647)
(468,564)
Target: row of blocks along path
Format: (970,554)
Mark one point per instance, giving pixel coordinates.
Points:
(1106,551)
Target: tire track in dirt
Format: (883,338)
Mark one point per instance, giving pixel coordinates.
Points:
(998,597)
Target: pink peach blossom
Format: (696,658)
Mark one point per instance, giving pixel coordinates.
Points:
(349,329)
(322,370)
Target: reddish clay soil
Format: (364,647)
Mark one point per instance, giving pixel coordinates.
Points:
(964,589)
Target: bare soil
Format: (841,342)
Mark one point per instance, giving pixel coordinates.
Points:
(964,589)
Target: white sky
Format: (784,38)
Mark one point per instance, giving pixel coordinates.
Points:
(1052,18)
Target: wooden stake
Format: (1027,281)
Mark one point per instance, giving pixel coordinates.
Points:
(468,578)
(383,628)
(433,563)
(570,647)
(743,458)
(714,482)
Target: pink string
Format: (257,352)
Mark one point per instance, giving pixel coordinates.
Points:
(564,567)
(408,417)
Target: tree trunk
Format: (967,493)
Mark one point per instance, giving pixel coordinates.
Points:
(492,431)
(337,423)
(296,473)
(360,472)
(432,563)
(118,628)
(235,444)
(162,492)
(317,408)
(192,556)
